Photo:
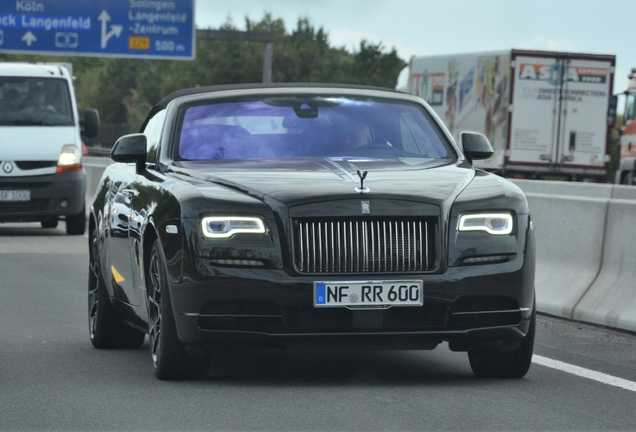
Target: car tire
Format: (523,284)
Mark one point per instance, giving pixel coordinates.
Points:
(494,363)
(76,224)
(106,330)
(49,223)
(170,359)
(628,178)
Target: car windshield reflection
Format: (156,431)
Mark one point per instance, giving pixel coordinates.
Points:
(292,127)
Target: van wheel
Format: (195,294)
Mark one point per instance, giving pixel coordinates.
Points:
(76,224)
(49,223)
(628,178)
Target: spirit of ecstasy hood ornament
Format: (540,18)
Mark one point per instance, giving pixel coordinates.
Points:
(362,189)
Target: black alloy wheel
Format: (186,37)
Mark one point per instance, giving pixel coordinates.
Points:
(154,307)
(106,330)
(170,359)
(494,363)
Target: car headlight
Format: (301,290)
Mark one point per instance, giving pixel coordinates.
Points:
(70,159)
(226,226)
(492,223)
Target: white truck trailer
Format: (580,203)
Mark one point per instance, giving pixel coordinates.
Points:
(545,113)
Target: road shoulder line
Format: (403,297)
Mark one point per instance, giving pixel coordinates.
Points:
(585,373)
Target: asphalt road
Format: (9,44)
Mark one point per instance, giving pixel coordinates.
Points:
(51,378)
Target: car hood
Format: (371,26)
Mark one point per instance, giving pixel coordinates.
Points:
(299,181)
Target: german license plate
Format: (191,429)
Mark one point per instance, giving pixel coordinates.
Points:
(15,195)
(370,293)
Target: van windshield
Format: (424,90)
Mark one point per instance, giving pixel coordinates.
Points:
(32,101)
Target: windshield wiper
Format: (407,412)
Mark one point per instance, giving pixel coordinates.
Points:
(23,122)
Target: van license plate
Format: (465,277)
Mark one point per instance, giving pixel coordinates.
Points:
(15,195)
(369,293)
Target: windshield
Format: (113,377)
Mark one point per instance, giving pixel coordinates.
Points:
(629,107)
(288,127)
(29,101)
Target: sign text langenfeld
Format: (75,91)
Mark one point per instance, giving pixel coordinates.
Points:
(133,28)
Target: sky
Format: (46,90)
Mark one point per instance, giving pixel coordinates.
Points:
(431,27)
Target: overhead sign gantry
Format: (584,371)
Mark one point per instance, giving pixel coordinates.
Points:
(161,29)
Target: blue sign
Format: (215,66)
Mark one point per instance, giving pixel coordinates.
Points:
(161,29)
(321,294)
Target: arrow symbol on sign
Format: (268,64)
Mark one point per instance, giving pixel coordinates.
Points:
(115,29)
(29,38)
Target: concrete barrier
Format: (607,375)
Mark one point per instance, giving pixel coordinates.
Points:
(623,192)
(589,190)
(569,237)
(611,299)
(589,258)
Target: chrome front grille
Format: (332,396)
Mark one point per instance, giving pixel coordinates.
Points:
(361,245)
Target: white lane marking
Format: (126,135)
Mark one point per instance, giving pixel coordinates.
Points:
(585,373)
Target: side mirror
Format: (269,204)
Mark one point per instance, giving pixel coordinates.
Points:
(475,146)
(130,148)
(90,125)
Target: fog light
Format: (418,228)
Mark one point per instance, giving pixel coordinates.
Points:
(238,262)
(491,259)
(64,203)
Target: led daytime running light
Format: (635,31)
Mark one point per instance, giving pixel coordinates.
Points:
(224,227)
(492,223)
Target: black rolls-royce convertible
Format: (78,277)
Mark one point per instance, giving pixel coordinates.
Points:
(307,215)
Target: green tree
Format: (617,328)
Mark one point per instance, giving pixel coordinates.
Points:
(373,67)
(305,55)
(614,144)
(116,81)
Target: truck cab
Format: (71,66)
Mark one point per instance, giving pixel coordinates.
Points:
(42,178)
(626,173)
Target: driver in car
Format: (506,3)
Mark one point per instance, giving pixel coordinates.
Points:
(38,104)
(358,134)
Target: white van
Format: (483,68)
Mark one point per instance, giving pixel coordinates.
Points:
(41,174)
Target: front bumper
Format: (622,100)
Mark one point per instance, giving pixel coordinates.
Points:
(468,305)
(52,196)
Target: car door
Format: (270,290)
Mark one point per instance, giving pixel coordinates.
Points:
(139,193)
(119,252)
